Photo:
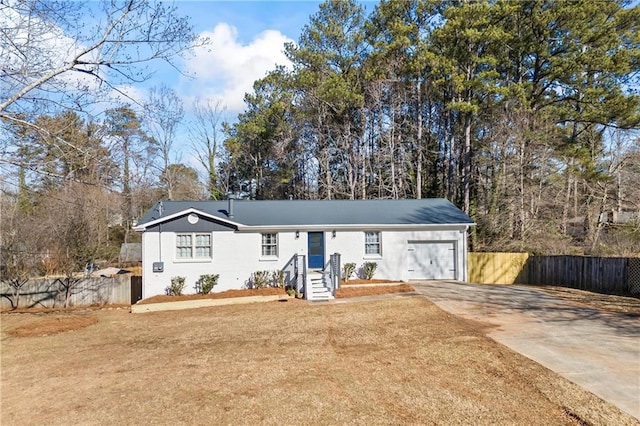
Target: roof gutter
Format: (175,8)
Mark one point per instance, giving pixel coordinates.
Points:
(354,227)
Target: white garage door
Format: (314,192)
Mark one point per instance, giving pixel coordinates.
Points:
(431,260)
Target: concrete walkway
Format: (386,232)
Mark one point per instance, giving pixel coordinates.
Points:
(597,350)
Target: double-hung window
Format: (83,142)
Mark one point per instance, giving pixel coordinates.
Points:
(193,246)
(269,245)
(372,246)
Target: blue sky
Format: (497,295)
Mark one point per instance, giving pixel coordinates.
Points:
(247,40)
(251,17)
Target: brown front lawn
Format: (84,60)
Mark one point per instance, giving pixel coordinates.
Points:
(391,361)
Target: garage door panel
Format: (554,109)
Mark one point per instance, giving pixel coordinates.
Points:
(431,260)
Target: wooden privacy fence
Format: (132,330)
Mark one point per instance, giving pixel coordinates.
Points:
(496,268)
(51,292)
(598,274)
(613,275)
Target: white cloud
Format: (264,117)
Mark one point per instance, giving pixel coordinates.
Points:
(227,68)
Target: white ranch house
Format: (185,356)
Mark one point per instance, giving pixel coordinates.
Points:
(408,239)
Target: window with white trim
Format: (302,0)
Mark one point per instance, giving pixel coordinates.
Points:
(193,246)
(372,244)
(269,244)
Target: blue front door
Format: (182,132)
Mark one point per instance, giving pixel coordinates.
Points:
(316,250)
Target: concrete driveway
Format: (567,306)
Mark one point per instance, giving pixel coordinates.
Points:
(597,350)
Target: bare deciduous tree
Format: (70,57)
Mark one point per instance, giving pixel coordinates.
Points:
(206,139)
(17,263)
(163,112)
(59,55)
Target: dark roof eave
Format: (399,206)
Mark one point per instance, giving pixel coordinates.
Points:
(355,226)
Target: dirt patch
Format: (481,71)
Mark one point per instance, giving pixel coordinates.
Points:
(606,302)
(48,326)
(392,361)
(267,291)
(345,292)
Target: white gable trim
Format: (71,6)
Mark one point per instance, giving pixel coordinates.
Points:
(144,226)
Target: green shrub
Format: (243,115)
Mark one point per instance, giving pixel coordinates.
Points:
(277,279)
(291,291)
(176,287)
(347,270)
(369,269)
(259,279)
(206,282)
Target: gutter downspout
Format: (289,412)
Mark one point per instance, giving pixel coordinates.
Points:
(465,254)
(160,208)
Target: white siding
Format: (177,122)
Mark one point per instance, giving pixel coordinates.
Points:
(392,264)
(237,255)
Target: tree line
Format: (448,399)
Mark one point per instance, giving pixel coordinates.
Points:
(523,113)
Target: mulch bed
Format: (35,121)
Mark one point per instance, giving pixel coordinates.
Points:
(341,293)
(267,291)
(345,292)
(361,281)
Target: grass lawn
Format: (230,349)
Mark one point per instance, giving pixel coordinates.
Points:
(390,361)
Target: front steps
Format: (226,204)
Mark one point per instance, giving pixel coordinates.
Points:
(316,287)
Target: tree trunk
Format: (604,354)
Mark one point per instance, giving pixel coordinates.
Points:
(521,191)
(419,146)
(466,178)
(567,200)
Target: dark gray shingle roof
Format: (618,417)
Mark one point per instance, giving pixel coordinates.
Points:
(432,211)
